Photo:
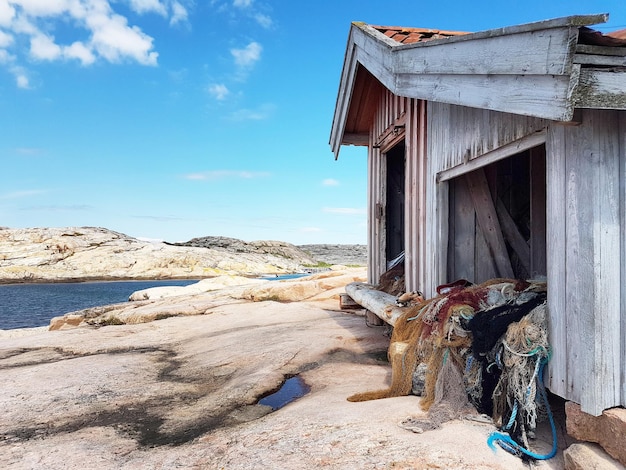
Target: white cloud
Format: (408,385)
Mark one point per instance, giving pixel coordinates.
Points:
(7,12)
(242,3)
(179,13)
(79,51)
(330,182)
(42,7)
(264,20)
(106,35)
(221,174)
(5,39)
(344,210)
(5,57)
(310,229)
(114,40)
(148,6)
(247,56)
(43,47)
(22,81)
(21,77)
(219,91)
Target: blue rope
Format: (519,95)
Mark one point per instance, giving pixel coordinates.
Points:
(509,445)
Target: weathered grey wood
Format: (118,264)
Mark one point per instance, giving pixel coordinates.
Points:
(469,134)
(622,223)
(556,236)
(380,303)
(537,212)
(539,96)
(463,238)
(622,191)
(499,153)
(488,221)
(601,89)
(484,264)
(587,248)
(536,53)
(356,139)
(490,51)
(600,50)
(525,69)
(609,60)
(513,235)
(607,208)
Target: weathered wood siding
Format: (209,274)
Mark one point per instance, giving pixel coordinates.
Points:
(416,179)
(391,112)
(586,249)
(396,119)
(457,139)
(460,134)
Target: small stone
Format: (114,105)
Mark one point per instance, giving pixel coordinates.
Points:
(587,456)
(608,429)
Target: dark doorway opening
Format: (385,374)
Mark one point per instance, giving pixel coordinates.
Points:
(497,223)
(394,220)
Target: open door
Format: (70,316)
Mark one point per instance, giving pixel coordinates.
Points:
(394,211)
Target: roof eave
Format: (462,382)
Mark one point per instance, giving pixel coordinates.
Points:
(413,70)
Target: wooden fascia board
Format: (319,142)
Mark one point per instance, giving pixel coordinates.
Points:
(540,96)
(545,52)
(601,89)
(344,95)
(481,73)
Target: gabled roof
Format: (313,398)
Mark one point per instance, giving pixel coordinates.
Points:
(532,69)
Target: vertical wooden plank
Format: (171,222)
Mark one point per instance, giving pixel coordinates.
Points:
(622,190)
(371,215)
(556,260)
(420,110)
(463,238)
(409,254)
(605,392)
(484,264)
(579,256)
(433,128)
(488,221)
(538,212)
(411,248)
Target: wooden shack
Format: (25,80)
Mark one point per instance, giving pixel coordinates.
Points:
(502,154)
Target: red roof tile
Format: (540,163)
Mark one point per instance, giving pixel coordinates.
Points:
(411,35)
(621,34)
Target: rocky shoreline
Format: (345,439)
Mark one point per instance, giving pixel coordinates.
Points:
(75,254)
(178,382)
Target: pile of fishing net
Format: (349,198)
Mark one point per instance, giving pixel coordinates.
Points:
(482,347)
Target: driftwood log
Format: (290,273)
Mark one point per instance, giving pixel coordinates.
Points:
(380,303)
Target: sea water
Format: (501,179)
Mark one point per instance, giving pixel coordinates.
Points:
(32,305)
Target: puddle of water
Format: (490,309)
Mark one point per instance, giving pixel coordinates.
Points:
(292,389)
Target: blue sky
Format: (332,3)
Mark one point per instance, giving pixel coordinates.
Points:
(174,119)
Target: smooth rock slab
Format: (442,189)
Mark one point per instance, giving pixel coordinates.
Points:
(182,393)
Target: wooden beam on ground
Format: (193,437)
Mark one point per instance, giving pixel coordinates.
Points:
(380,303)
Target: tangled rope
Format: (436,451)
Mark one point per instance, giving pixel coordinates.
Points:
(483,345)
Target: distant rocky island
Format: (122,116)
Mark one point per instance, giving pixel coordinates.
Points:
(95,253)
